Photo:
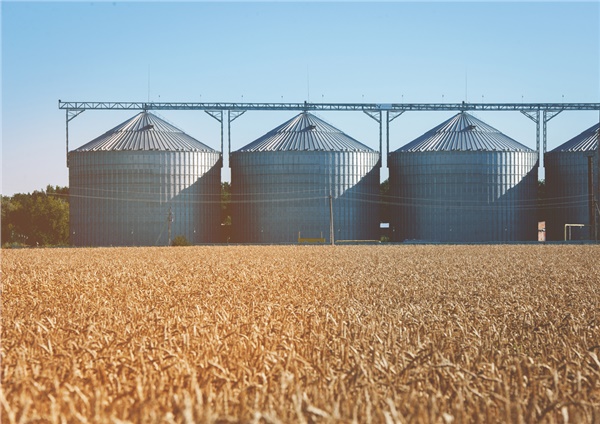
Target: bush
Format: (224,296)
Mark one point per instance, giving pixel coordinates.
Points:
(14,245)
(180,241)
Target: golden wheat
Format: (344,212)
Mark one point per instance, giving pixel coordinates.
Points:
(302,334)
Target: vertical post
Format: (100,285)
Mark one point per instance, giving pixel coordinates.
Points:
(592,212)
(537,137)
(374,116)
(170,219)
(67,125)
(548,115)
(230,118)
(387,136)
(395,114)
(598,176)
(380,138)
(535,118)
(545,130)
(331,234)
(219,116)
(228,135)
(70,115)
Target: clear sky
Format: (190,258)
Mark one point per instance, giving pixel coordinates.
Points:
(381,52)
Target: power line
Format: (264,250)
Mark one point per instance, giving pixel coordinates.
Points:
(439,203)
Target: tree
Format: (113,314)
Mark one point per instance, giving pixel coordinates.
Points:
(37,219)
(10,207)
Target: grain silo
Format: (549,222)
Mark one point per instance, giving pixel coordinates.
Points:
(567,187)
(463,181)
(282,181)
(141,182)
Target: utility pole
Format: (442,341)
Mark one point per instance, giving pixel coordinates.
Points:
(597,216)
(592,212)
(169,220)
(598,176)
(331,234)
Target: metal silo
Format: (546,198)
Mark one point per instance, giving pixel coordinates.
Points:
(281,185)
(463,181)
(141,183)
(568,188)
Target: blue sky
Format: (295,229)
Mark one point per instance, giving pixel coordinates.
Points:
(280,51)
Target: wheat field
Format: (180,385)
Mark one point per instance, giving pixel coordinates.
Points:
(302,334)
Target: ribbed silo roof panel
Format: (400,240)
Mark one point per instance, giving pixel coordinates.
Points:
(305,132)
(586,141)
(464,132)
(147,132)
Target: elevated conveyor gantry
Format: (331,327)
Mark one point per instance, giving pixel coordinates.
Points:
(539,113)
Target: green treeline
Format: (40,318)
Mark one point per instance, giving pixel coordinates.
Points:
(40,218)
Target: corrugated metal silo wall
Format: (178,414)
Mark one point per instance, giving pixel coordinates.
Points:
(458,197)
(567,193)
(276,195)
(121,198)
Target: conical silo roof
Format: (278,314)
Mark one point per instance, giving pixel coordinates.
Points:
(147,132)
(586,141)
(305,132)
(464,132)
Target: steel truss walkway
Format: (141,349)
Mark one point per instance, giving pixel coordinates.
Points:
(539,113)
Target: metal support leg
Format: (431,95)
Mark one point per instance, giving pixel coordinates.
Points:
(67,130)
(377,115)
(387,129)
(380,138)
(218,115)
(387,138)
(232,115)
(69,116)
(535,118)
(548,115)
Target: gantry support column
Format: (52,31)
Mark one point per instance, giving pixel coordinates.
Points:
(548,115)
(218,115)
(232,115)
(394,115)
(70,115)
(535,117)
(377,115)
